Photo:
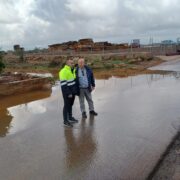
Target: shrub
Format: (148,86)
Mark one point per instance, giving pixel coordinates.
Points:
(55,63)
(149,58)
(142,58)
(2,65)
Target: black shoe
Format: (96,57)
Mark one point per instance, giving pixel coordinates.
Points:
(73,120)
(93,113)
(84,115)
(68,124)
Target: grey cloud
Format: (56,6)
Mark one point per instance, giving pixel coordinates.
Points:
(50,10)
(53,21)
(8,15)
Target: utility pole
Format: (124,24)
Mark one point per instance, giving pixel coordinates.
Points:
(150,45)
(103,48)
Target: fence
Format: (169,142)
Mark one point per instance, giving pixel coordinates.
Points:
(150,49)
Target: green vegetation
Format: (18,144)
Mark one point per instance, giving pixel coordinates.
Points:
(43,63)
(117,62)
(108,65)
(52,80)
(2,65)
(56,63)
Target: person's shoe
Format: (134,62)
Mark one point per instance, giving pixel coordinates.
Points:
(68,124)
(93,113)
(73,120)
(84,115)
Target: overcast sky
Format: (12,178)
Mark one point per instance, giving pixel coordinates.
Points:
(38,23)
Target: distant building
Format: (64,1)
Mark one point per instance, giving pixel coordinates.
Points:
(99,46)
(16,47)
(178,40)
(135,43)
(167,42)
(104,45)
(56,47)
(123,46)
(70,45)
(21,48)
(85,44)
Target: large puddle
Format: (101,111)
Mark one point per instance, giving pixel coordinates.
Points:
(138,116)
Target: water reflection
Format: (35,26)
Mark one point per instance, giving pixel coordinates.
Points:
(11,101)
(176,74)
(134,81)
(5,121)
(81,147)
(6,115)
(135,123)
(124,73)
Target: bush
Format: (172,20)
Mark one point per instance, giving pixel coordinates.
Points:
(108,65)
(142,58)
(2,65)
(149,58)
(55,63)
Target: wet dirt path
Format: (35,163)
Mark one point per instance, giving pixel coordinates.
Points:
(138,117)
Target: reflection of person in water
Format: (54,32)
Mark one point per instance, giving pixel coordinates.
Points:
(5,121)
(80,149)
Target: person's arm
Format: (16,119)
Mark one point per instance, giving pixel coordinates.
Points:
(92,79)
(63,80)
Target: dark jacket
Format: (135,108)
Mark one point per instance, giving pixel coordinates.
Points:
(90,77)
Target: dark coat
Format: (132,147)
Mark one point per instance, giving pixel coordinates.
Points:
(90,77)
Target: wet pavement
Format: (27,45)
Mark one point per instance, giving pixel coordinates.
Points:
(172,65)
(138,117)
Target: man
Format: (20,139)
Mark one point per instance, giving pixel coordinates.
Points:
(86,83)
(69,89)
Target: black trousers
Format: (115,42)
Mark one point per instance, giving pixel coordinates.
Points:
(67,109)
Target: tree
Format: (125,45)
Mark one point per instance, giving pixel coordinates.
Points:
(2,65)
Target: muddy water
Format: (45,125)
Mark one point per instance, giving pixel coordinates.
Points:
(138,116)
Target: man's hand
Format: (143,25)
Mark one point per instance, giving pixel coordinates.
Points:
(70,96)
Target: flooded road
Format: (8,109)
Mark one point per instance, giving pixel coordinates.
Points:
(138,117)
(171,65)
